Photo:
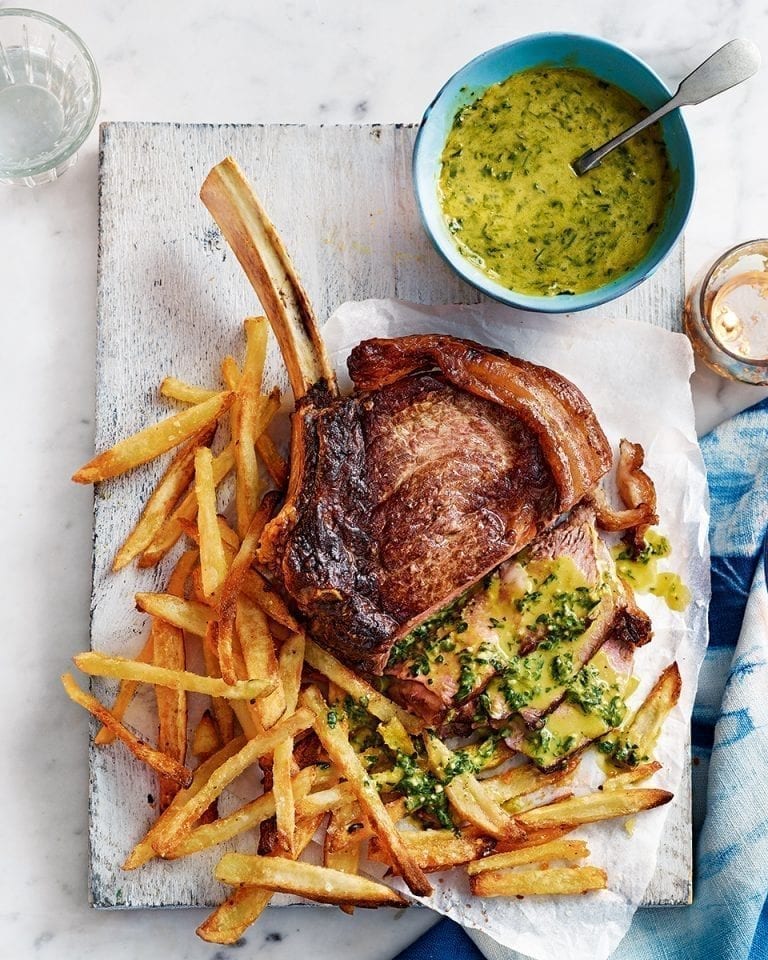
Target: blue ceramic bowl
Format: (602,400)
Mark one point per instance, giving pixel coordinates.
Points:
(600,58)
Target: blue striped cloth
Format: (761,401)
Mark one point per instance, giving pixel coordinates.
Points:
(729,916)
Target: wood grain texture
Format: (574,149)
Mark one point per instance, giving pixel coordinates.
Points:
(171,299)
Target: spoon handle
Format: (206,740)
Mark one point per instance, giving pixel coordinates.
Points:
(733,63)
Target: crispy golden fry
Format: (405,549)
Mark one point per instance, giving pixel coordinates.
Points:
(543,853)
(205,739)
(125,694)
(232,918)
(164,764)
(168,646)
(305,879)
(213,563)
(289,671)
(344,824)
(164,497)
(190,615)
(259,655)
(324,800)
(171,530)
(437,849)
(99,665)
(248,485)
(524,779)
(487,754)
(637,742)
(376,703)
(246,713)
(230,373)
(143,851)
(524,883)
(634,775)
(222,709)
(591,807)
(152,441)
(336,744)
(275,464)
(396,737)
(246,818)
(177,827)
(256,588)
(230,589)
(467,795)
(176,389)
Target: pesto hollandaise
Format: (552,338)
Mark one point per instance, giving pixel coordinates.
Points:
(513,204)
(524,640)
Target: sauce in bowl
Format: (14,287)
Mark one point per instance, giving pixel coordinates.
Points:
(517,210)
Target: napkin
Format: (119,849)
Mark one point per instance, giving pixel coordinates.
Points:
(728,919)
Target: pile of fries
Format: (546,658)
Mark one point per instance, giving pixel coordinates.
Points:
(338,759)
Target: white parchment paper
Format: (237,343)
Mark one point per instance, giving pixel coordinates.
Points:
(636,377)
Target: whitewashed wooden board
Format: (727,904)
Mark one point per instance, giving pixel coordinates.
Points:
(171,299)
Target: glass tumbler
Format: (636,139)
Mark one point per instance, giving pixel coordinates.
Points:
(49,96)
(726,313)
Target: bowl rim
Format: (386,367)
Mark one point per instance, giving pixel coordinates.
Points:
(564,303)
(88,124)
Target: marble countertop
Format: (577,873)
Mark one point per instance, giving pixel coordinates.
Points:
(303,62)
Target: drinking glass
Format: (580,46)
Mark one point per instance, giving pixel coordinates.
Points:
(49,96)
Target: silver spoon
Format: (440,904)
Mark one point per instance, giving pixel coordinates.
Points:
(733,63)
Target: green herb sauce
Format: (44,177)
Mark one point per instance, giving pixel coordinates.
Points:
(514,205)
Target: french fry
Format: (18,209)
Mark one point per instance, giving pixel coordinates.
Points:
(125,694)
(180,824)
(213,562)
(334,739)
(119,668)
(322,801)
(437,849)
(230,588)
(158,761)
(275,464)
(152,441)
(396,737)
(245,818)
(222,709)
(556,880)
(168,651)
(230,373)
(637,742)
(143,852)
(289,671)
(260,660)
(256,588)
(590,807)
(487,754)
(246,713)
(171,530)
(524,779)
(637,774)
(232,918)
(544,853)
(205,739)
(168,645)
(189,615)
(344,822)
(376,703)
(176,389)
(467,795)
(305,879)
(247,482)
(163,499)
